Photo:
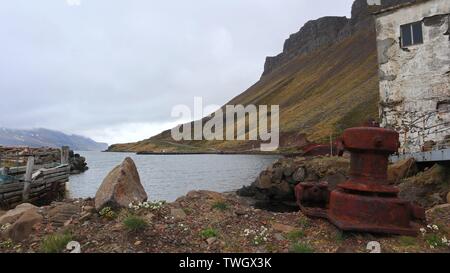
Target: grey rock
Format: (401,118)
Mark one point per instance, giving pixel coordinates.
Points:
(121,187)
(23,227)
(177,213)
(12,215)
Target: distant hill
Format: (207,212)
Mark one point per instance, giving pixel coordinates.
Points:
(48,138)
(325,80)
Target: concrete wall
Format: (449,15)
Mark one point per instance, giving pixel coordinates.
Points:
(415,82)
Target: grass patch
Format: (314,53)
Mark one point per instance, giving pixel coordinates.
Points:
(134,223)
(407,241)
(434,240)
(6,244)
(219,205)
(301,248)
(209,233)
(340,236)
(188,211)
(108,213)
(304,222)
(55,243)
(295,235)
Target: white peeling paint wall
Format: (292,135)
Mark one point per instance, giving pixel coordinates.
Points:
(414,83)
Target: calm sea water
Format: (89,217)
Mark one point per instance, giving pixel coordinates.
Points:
(169,177)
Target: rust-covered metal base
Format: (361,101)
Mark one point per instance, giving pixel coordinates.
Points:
(361,213)
(377,214)
(366,202)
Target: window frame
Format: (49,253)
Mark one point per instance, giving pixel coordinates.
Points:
(411,34)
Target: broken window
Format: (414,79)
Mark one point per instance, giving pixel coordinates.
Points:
(443,106)
(411,34)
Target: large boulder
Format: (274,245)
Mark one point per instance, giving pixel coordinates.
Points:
(12,215)
(121,187)
(448,197)
(77,163)
(264,181)
(23,227)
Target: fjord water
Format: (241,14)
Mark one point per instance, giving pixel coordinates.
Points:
(167,177)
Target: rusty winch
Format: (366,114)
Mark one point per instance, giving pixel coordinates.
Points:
(366,202)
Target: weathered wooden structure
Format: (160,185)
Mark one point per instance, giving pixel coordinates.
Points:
(32,183)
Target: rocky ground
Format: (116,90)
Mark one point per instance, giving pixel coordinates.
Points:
(205,221)
(208,222)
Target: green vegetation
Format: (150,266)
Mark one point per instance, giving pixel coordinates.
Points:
(434,240)
(301,248)
(209,233)
(341,236)
(108,213)
(295,235)
(6,244)
(407,241)
(304,222)
(134,223)
(188,211)
(219,205)
(55,243)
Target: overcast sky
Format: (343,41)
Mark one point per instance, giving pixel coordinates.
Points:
(113,69)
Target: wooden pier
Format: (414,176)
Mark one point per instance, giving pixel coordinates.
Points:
(37,184)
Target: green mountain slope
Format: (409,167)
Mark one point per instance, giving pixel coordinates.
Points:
(321,90)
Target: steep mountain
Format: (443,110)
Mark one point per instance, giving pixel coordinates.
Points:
(325,80)
(48,138)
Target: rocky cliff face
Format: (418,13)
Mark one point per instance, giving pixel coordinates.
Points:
(313,35)
(325,80)
(325,32)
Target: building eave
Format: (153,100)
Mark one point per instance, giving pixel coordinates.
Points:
(397,7)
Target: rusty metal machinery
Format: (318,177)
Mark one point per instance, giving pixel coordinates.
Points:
(365,202)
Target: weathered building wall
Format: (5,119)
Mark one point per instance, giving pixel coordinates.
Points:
(415,82)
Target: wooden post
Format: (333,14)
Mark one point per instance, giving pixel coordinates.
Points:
(28,174)
(331,144)
(65,155)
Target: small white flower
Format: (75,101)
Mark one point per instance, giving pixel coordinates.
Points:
(444,240)
(423,230)
(435,227)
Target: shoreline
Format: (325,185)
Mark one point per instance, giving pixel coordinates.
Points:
(209,153)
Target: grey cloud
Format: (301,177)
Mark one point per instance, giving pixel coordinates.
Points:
(95,67)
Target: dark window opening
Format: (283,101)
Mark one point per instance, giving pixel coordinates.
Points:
(443,106)
(411,34)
